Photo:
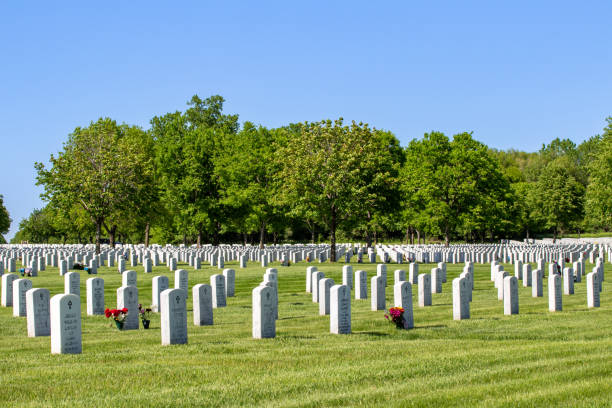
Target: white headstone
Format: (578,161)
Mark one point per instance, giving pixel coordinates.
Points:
(340,310)
(173,309)
(316,277)
(20,287)
(536,283)
(160,283)
(424,290)
(264,319)
(511,299)
(413,273)
(37,311)
(7,289)
(325,285)
(402,297)
(554,293)
(377,287)
(347,276)
(400,275)
(181,280)
(230,282)
(95,296)
(127,296)
(66,324)
(202,305)
(361,285)
(592,284)
(568,281)
(129,278)
(217,283)
(461,299)
(72,283)
(436,280)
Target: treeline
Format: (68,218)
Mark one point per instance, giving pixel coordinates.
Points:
(199,177)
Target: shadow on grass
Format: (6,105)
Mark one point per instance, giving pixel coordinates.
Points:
(431,326)
(368,333)
(290,318)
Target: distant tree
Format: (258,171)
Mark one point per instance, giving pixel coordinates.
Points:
(599,192)
(558,198)
(37,228)
(248,174)
(186,146)
(453,186)
(98,169)
(5,219)
(328,171)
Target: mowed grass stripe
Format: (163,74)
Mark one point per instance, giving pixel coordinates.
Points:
(537,358)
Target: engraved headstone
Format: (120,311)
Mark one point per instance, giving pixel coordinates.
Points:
(592,283)
(72,283)
(37,311)
(129,278)
(461,301)
(230,282)
(511,299)
(20,287)
(402,297)
(568,281)
(377,298)
(536,283)
(413,273)
(436,280)
(7,289)
(555,302)
(424,291)
(361,285)
(309,272)
(325,285)
(173,309)
(95,296)
(340,310)
(316,277)
(127,296)
(181,280)
(66,324)
(347,276)
(160,283)
(217,283)
(399,275)
(202,305)
(264,319)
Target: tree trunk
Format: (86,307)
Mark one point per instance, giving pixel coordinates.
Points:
(262,235)
(245,237)
(216,234)
(368,239)
(418,237)
(111,235)
(407,236)
(446,236)
(199,238)
(332,237)
(527,233)
(275,237)
(147,232)
(312,236)
(98,234)
(375,238)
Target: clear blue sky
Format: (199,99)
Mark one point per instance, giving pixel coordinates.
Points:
(516,73)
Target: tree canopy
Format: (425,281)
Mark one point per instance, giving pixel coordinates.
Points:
(198,176)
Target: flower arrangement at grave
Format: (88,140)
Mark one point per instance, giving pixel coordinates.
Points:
(118,315)
(396,316)
(145,315)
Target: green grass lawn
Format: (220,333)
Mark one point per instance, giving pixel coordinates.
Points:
(536,358)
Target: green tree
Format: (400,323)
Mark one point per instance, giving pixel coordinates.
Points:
(452,186)
(97,169)
(558,197)
(327,172)
(186,147)
(5,219)
(598,204)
